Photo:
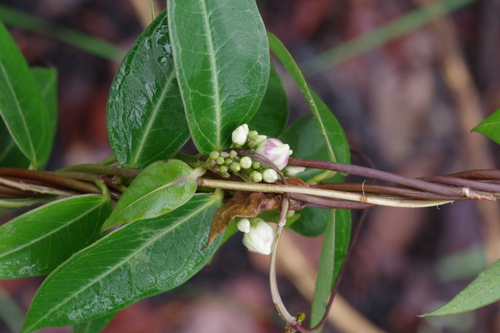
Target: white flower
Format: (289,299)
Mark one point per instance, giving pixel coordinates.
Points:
(269,175)
(276,151)
(240,135)
(293,170)
(260,237)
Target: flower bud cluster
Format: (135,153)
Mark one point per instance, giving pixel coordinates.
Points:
(226,162)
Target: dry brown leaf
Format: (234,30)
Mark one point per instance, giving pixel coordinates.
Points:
(249,204)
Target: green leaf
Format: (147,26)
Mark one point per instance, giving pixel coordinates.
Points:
(490,127)
(46,80)
(328,126)
(22,108)
(306,142)
(221,55)
(145,115)
(36,242)
(333,252)
(94,326)
(159,189)
(272,116)
(482,291)
(139,260)
(10,154)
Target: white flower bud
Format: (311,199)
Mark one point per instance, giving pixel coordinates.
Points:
(269,175)
(293,170)
(276,151)
(243,225)
(246,162)
(260,138)
(240,135)
(260,237)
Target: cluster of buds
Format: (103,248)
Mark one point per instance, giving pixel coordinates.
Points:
(225,162)
(258,235)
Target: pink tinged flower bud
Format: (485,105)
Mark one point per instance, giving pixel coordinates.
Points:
(240,135)
(269,175)
(276,151)
(260,237)
(293,170)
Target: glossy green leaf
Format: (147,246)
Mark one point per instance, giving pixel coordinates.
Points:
(272,116)
(10,154)
(333,252)
(159,189)
(94,326)
(22,107)
(482,291)
(221,55)
(40,240)
(145,115)
(139,260)
(328,126)
(490,127)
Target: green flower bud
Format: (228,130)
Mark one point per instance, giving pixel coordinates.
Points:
(224,154)
(253,135)
(214,155)
(220,160)
(256,165)
(223,169)
(228,161)
(256,176)
(235,167)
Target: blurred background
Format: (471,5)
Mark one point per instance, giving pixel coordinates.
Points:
(408,80)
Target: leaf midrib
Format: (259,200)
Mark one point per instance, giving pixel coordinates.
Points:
(214,71)
(152,118)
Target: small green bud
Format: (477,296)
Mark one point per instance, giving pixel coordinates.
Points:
(246,162)
(220,160)
(224,154)
(256,176)
(252,144)
(225,175)
(223,169)
(253,135)
(235,167)
(214,155)
(233,154)
(228,161)
(256,165)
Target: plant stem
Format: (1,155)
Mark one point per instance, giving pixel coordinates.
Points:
(376,174)
(273,188)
